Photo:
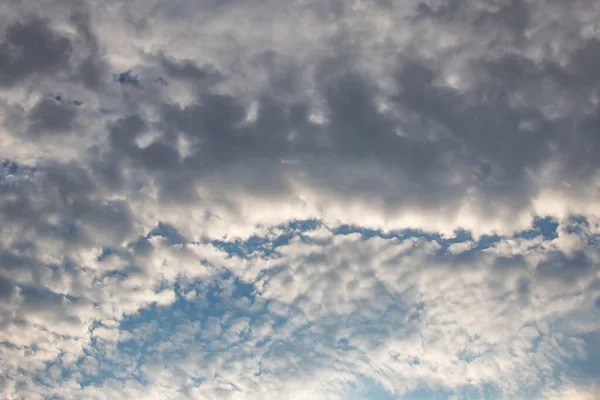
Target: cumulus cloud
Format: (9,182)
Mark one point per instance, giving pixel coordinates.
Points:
(304,198)
(326,312)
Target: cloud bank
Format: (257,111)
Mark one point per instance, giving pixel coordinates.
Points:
(299,199)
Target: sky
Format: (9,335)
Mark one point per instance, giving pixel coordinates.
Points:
(300,199)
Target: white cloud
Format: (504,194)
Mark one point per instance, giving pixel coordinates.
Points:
(400,318)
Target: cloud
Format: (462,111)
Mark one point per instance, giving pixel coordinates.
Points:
(50,115)
(490,140)
(341,307)
(311,199)
(31,47)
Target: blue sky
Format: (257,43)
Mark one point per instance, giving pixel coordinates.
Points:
(322,200)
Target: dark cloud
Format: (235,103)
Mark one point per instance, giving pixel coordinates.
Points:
(69,193)
(510,17)
(36,301)
(31,47)
(429,131)
(513,16)
(568,269)
(124,131)
(188,70)
(159,155)
(50,116)
(106,168)
(284,74)
(92,69)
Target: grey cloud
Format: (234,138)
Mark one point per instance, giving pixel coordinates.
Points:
(159,155)
(283,73)
(189,70)
(568,269)
(69,193)
(30,47)
(107,168)
(512,16)
(36,301)
(585,62)
(124,131)
(93,66)
(479,126)
(52,116)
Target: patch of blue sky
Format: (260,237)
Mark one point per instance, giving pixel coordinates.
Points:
(588,368)
(60,98)
(128,78)
(240,289)
(106,252)
(264,245)
(470,392)
(153,326)
(243,248)
(225,295)
(576,368)
(11,167)
(545,227)
(369,389)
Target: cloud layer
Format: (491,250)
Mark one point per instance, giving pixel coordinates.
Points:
(299,199)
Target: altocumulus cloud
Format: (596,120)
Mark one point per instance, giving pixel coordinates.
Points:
(300,199)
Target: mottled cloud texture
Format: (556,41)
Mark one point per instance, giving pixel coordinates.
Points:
(300,199)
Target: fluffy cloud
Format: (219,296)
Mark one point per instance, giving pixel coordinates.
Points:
(324,312)
(156,155)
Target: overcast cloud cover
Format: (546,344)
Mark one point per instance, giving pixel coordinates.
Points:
(300,199)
